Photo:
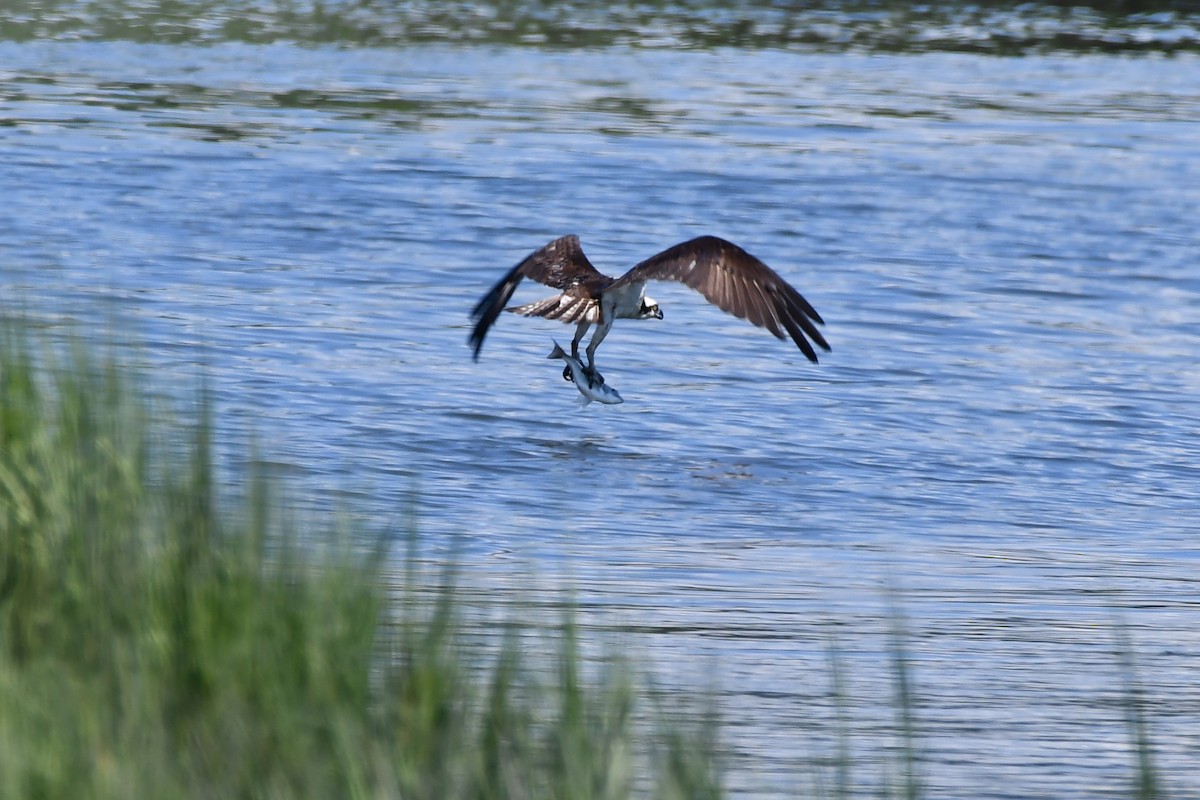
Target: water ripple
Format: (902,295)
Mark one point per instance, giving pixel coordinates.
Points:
(1005,432)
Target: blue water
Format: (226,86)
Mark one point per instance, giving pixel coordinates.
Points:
(1004,443)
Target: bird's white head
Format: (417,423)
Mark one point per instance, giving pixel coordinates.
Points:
(649,310)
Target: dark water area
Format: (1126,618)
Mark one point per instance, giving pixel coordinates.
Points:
(1004,443)
(999,28)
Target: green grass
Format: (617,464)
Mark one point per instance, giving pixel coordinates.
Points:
(156,641)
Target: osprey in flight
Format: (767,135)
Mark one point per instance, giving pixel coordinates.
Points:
(724,273)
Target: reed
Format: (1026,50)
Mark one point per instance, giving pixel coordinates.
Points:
(157,640)
(1147,783)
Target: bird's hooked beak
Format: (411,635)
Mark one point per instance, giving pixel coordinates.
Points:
(657,313)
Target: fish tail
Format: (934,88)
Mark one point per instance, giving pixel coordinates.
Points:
(557,352)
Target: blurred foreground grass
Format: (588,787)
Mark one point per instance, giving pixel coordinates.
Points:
(155,642)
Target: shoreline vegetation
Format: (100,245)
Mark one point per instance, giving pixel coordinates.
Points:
(997,28)
(158,639)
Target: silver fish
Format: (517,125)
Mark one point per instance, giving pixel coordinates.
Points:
(592,388)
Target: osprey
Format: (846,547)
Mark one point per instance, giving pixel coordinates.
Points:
(724,273)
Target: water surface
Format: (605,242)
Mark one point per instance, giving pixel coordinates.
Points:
(1005,434)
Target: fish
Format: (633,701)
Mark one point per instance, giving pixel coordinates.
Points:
(591,387)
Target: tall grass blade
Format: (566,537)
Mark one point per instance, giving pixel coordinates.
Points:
(1147,785)
(905,703)
(161,638)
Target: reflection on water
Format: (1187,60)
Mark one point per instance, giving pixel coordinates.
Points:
(1005,430)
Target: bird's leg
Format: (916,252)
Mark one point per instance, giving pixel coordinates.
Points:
(580,330)
(593,376)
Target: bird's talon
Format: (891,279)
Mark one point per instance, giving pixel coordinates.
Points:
(567,376)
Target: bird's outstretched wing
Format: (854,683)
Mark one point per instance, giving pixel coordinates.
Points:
(560,264)
(737,282)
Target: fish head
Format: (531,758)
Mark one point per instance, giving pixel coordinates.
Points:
(606,394)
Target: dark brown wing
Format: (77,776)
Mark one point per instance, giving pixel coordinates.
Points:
(737,282)
(560,264)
